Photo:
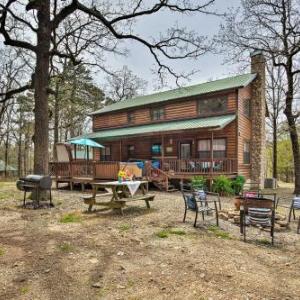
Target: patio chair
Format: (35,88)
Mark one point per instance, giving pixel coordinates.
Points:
(292,204)
(258,212)
(295,205)
(216,196)
(193,202)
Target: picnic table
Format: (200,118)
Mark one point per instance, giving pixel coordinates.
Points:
(120,193)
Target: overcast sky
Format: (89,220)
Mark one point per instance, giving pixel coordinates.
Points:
(141,62)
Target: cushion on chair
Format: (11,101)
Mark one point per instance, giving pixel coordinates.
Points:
(250,194)
(296,202)
(259,216)
(201,194)
(191,202)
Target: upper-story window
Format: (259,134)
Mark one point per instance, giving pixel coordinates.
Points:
(157,114)
(213,105)
(130,117)
(247,108)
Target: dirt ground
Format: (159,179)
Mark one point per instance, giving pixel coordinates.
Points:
(65,253)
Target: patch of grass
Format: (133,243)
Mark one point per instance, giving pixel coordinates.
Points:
(162,234)
(219,232)
(177,231)
(65,247)
(263,242)
(2,252)
(24,290)
(124,227)
(71,218)
(166,232)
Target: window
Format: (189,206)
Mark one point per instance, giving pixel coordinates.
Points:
(247,108)
(212,105)
(247,152)
(219,147)
(204,148)
(130,151)
(105,153)
(130,117)
(157,114)
(156,149)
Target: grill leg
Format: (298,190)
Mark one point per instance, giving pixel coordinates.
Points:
(50,194)
(24,200)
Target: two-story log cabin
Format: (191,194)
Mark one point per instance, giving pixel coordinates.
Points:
(208,129)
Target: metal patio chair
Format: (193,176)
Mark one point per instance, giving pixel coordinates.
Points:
(291,203)
(258,212)
(194,203)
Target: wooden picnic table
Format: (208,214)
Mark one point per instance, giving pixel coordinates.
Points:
(120,194)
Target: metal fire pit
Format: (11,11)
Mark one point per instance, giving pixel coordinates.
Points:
(36,184)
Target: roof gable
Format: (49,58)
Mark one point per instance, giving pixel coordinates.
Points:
(189,91)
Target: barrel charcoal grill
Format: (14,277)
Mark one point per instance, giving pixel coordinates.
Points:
(36,184)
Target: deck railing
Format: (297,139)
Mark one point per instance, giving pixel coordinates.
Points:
(87,169)
(109,169)
(199,166)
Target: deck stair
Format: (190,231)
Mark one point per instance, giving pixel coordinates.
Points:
(161,180)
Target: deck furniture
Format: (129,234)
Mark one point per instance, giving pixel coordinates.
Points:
(197,204)
(291,203)
(257,212)
(121,193)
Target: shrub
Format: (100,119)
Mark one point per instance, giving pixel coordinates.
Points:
(222,185)
(198,182)
(238,183)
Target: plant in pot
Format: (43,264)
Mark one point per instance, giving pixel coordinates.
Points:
(222,185)
(237,184)
(198,183)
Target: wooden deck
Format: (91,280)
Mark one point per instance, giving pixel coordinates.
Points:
(88,172)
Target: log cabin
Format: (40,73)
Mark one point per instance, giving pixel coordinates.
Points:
(206,129)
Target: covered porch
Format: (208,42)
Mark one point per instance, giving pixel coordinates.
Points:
(162,151)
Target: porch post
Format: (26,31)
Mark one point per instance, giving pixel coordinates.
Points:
(162,150)
(120,144)
(211,153)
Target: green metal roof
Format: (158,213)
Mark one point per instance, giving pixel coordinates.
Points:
(217,122)
(193,90)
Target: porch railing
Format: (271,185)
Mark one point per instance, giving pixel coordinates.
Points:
(199,166)
(88,169)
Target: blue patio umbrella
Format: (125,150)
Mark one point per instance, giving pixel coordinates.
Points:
(86,142)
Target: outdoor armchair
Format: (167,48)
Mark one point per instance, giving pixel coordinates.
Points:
(194,202)
(258,212)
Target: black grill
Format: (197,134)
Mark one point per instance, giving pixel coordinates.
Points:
(36,184)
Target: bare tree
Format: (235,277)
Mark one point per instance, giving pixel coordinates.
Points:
(275,102)
(32,25)
(124,85)
(271,26)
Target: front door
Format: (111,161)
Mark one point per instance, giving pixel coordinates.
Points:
(185,150)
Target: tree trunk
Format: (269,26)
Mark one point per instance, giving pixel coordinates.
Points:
(56,119)
(41,133)
(274,148)
(20,173)
(293,129)
(6,153)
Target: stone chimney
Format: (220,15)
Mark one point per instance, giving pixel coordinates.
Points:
(258,113)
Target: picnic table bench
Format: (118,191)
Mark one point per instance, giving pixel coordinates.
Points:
(120,194)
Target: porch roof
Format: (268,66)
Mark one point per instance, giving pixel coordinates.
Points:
(213,123)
